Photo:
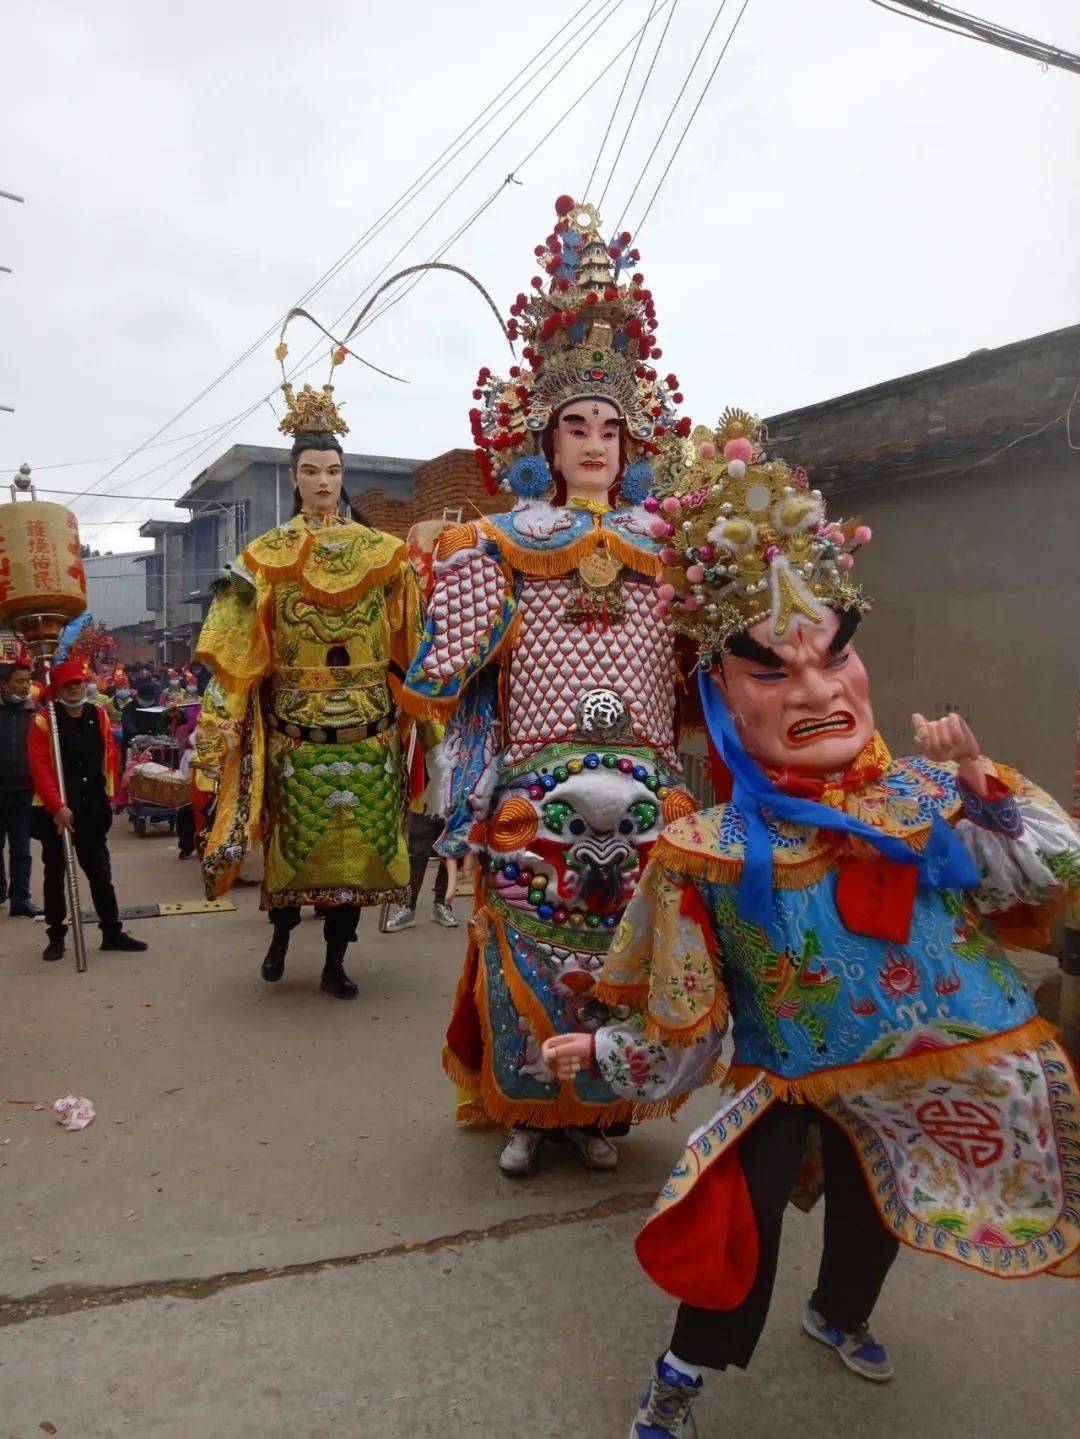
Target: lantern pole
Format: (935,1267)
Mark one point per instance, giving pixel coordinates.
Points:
(40,633)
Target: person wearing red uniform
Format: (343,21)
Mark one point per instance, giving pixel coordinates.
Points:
(88,754)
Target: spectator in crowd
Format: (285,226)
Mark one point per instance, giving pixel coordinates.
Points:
(16,788)
(88,756)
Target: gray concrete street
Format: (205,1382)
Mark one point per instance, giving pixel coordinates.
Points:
(273,1227)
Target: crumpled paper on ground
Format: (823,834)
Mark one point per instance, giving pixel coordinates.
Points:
(74,1111)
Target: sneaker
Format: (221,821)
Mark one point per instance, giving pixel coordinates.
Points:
(23,911)
(401,917)
(666,1405)
(596,1150)
(122,940)
(860,1351)
(444,915)
(53,950)
(519,1152)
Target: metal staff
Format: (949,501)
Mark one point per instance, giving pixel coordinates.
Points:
(384,908)
(71,872)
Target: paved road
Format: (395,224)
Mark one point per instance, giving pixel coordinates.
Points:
(244,1130)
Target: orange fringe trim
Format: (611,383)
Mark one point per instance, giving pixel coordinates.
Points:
(942,1063)
(551,564)
(728,871)
(492,1105)
(637,996)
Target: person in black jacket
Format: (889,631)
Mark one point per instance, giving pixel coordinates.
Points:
(16,788)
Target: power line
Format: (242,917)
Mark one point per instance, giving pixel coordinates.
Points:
(973,27)
(587,192)
(671,112)
(232,425)
(406,198)
(693,117)
(637,106)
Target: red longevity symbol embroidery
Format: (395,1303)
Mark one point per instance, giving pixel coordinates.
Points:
(963,1129)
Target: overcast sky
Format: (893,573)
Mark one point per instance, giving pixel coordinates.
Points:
(860,197)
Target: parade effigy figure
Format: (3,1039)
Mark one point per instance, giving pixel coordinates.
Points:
(545,653)
(303,727)
(838,921)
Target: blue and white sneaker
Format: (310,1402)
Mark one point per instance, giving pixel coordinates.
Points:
(860,1351)
(666,1404)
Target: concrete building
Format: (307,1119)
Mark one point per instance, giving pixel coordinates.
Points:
(116,597)
(969,476)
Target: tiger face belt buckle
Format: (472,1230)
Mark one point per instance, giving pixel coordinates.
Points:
(599,570)
(602,715)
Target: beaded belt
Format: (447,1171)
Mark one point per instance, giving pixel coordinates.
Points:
(324,734)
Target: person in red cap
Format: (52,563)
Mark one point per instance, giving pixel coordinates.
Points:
(89,760)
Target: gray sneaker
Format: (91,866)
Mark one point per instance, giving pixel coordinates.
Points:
(401,917)
(860,1351)
(444,915)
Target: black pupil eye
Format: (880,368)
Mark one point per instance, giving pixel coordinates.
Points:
(626,826)
(577,826)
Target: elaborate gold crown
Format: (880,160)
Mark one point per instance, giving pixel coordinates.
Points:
(746,537)
(589,334)
(311,412)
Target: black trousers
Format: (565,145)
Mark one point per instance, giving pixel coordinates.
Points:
(339,923)
(92,852)
(185,829)
(424,830)
(858,1250)
(16,808)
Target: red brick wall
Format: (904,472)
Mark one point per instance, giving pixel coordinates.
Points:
(449,481)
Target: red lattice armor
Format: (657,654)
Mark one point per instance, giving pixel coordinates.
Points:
(465,605)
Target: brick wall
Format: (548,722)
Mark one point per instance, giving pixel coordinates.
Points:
(449,481)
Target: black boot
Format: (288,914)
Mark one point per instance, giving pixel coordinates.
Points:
(334,979)
(116,938)
(273,966)
(55,947)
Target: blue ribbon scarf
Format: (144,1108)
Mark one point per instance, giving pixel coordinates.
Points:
(943,864)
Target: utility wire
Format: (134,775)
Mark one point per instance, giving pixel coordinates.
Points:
(637,106)
(671,112)
(233,424)
(973,27)
(229,425)
(693,116)
(587,192)
(406,198)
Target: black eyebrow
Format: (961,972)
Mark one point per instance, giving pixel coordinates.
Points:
(849,623)
(745,648)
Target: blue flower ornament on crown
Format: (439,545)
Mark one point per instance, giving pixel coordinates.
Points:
(589,332)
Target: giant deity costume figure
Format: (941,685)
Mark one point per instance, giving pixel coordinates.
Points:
(838,921)
(301,724)
(545,654)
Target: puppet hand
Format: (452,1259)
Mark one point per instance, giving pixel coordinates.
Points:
(451,880)
(564,1054)
(951,738)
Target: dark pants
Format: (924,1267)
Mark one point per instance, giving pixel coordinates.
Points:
(16,808)
(185,829)
(92,852)
(858,1250)
(424,830)
(339,923)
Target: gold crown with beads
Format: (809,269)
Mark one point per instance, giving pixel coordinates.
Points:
(746,538)
(311,411)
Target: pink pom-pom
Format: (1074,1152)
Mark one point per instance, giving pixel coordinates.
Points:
(844,562)
(695,574)
(662,608)
(863,535)
(668,556)
(690,603)
(739,449)
(706,552)
(651,504)
(659,529)
(666,593)
(707,450)
(672,505)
